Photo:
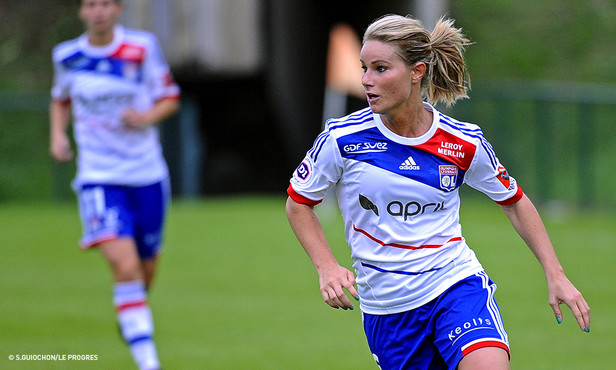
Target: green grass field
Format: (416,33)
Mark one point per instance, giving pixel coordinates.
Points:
(236,291)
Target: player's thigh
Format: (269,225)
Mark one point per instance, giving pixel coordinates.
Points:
(121,253)
(468,319)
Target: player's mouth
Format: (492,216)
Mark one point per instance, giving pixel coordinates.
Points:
(371,97)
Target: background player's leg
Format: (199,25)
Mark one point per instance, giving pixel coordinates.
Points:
(149,269)
(130,300)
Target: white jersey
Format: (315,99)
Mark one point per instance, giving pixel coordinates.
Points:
(101,83)
(400,204)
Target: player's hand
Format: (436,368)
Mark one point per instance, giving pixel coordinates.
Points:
(333,283)
(135,120)
(60,148)
(561,290)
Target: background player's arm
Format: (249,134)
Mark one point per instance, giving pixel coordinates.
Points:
(59,144)
(333,278)
(528,224)
(162,109)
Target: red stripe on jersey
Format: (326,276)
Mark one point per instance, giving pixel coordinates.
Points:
(450,148)
(300,198)
(518,195)
(130,52)
(403,246)
(130,305)
(487,343)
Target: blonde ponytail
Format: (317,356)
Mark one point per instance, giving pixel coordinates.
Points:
(448,74)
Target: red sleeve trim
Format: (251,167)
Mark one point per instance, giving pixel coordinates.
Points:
(484,344)
(518,195)
(301,199)
(171,97)
(62,101)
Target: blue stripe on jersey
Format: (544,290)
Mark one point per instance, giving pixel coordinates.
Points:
(318,145)
(372,147)
(109,66)
(360,117)
(409,273)
(475,133)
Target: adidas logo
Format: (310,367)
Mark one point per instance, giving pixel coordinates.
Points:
(409,164)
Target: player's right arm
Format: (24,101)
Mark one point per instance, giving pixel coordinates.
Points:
(59,144)
(333,278)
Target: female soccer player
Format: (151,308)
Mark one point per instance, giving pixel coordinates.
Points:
(396,168)
(119,86)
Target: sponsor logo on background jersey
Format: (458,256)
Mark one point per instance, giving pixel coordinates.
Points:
(409,164)
(103,66)
(448,177)
(366,147)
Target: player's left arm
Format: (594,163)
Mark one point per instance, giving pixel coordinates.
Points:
(161,87)
(161,109)
(528,224)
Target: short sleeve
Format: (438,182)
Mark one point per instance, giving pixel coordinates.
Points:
(489,176)
(60,89)
(160,82)
(318,172)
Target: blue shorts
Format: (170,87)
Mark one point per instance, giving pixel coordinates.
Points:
(109,212)
(440,333)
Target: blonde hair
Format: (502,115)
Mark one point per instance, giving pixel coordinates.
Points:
(446,77)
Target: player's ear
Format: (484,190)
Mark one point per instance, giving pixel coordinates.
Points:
(418,71)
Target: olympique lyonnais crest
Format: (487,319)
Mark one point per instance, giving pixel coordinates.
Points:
(448,177)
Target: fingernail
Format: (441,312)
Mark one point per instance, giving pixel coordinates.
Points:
(587,330)
(344,308)
(351,308)
(357,298)
(559,320)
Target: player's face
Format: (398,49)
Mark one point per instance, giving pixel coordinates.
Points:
(386,79)
(99,16)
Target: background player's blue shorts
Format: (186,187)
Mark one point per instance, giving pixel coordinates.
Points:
(440,333)
(112,211)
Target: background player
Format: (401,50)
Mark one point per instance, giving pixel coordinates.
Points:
(396,168)
(119,86)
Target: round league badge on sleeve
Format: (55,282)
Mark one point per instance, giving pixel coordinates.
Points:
(304,171)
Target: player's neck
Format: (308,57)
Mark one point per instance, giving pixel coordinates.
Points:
(100,38)
(413,123)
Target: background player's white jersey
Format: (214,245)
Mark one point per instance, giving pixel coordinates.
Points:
(400,204)
(101,83)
